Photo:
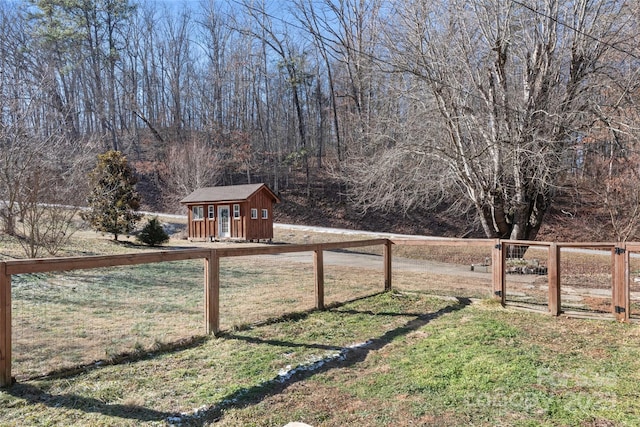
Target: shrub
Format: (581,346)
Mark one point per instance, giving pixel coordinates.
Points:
(153,234)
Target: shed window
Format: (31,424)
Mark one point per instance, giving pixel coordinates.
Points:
(197,213)
(254,213)
(212,212)
(236,211)
(265,213)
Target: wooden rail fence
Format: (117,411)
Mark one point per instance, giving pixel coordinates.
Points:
(499,249)
(620,280)
(211,278)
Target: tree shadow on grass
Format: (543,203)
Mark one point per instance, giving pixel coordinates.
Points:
(350,356)
(237,335)
(123,358)
(294,316)
(180,345)
(34,395)
(242,398)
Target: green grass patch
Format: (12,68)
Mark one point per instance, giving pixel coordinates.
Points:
(424,361)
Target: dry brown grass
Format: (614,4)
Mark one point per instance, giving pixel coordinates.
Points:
(67,319)
(70,319)
(64,320)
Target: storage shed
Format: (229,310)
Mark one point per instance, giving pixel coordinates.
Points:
(238,212)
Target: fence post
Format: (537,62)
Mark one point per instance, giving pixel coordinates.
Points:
(212,293)
(553,272)
(5,326)
(386,252)
(498,265)
(627,285)
(620,284)
(318,267)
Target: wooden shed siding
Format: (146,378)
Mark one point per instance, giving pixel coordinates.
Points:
(259,228)
(199,228)
(211,226)
(189,222)
(237,225)
(241,228)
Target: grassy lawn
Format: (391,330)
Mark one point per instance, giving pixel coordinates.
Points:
(123,346)
(391,359)
(61,320)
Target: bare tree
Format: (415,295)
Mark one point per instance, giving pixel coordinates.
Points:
(308,16)
(41,175)
(608,157)
(86,37)
(188,167)
(40,183)
(37,155)
(292,64)
(620,198)
(511,84)
(12,115)
(474,103)
(50,199)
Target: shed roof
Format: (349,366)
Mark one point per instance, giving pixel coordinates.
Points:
(227,193)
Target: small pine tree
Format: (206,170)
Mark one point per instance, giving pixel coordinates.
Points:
(113,200)
(153,234)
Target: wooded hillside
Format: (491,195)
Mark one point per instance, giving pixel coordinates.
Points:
(497,118)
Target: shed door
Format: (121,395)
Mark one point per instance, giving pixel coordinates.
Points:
(223,222)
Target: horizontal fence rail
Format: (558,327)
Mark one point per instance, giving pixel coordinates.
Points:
(500,255)
(47,265)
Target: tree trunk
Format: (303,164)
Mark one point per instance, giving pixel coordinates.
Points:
(9,222)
